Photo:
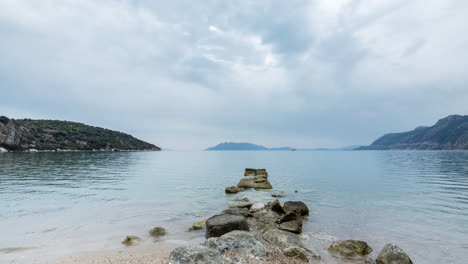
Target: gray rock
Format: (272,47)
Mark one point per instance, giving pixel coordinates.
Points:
(232,189)
(292,226)
(256,207)
(3,150)
(296,206)
(246,183)
(291,216)
(392,254)
(265,220)
(219,225)
(197,254)
(263,185)
(157,231)
(131,240)
(350,249)
(249,173)
(242,240)
(275,206)
(282,239)
(237,211)
(245,199)
(301,253)
(250,169)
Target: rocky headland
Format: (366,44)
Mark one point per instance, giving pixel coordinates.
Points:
(53,135)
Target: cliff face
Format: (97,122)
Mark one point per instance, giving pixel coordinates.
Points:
(24,134)
(450,133)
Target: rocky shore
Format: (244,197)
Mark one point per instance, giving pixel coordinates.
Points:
(252,232)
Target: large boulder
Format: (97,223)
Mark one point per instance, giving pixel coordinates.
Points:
(291,216)
(232,189)
(392,254)
(219,225)
(296,206)
(249,173)
(350,250)
(237,211)
(265,220)
(238,240)
(292,226)
(282,238)
(197,254)
(246,183)
(265,184)
(157,231)
(301,254)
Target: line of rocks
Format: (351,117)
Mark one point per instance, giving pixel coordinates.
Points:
(253,178)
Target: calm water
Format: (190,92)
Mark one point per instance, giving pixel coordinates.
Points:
(60,203)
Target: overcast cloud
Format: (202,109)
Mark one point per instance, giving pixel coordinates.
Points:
(191,74)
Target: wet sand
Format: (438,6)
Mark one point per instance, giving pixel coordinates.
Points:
(138,254)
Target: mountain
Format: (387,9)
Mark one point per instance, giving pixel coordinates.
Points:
(237,146)
(25,134)
(450,133)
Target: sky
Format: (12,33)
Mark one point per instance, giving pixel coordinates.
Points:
(188,75)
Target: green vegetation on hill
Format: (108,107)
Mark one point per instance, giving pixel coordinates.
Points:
(65,135)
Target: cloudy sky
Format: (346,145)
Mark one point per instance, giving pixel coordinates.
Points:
(191,74)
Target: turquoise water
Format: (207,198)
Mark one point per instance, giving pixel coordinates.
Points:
(54,204)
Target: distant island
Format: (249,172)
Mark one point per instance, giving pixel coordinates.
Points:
(54,135)
(450,133)
(251,146)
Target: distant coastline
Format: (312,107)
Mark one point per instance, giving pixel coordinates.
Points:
(229,146)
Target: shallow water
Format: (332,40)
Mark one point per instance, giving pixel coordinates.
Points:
(54,204)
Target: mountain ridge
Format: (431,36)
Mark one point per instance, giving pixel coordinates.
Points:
(449,133)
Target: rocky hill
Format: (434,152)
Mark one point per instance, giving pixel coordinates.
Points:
(450,133)
(25,134)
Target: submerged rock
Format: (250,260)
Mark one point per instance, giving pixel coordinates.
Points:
(241,205)
(197,254)
(198,225)
(241,240)
(296,206)
(157,231)
(219,225)
(256,207)
(292,226)
(277,195)
(246,183)
(350,249)
(131,240)
(232,189)
(301,253)
(237,211)
(392,254)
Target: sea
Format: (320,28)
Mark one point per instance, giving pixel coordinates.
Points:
(58,204)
